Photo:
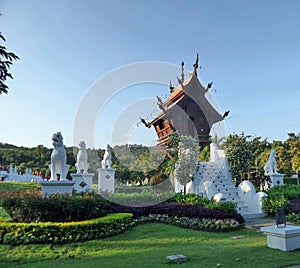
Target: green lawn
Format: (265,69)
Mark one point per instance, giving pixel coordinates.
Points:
(148,245)
(17,186)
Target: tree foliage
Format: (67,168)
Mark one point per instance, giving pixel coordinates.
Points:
(188,150)
(246,152)
(137,162)
(136,165)
(6,60)
(239,154)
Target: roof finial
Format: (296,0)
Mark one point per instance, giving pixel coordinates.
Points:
(171,87)
(144,122)
(181,80)
(160,104)
(196,65)
(182,71)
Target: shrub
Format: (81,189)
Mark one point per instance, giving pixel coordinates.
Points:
(293,206)
(158,178)
(271,204)
(60,233)
(280,197)
(293,217)
(144,197)
(194,199)
(204,224)
(288,191)
(31,207)
(180,210)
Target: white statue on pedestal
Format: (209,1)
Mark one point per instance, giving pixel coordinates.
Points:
(106,162)
(82,163)
(58,164)
(270,166)
(106,174)
(271,171)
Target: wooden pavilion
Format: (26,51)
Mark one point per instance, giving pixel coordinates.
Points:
(186,111)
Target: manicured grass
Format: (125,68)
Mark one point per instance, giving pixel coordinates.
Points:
(17,186)
(148,245)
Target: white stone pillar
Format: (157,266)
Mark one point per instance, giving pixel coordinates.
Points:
(276,179)
(83,182)
(106,180)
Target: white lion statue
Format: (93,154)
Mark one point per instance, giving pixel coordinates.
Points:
(82,163)
(106,162)
(58,166)
(270,166)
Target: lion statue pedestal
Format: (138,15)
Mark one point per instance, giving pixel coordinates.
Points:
(271,171)
(58,184)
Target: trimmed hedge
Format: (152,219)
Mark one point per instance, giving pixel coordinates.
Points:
(204,224)
(194,199)
(31,207)
(61,233)
(180,210)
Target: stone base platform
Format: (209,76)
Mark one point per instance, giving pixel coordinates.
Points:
(285,239)
(56,187)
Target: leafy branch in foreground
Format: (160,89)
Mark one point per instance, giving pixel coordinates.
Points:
(6,59)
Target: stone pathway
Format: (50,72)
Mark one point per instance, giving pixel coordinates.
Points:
(257,223)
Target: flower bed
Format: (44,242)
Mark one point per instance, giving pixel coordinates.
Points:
(180,210)
(204,224)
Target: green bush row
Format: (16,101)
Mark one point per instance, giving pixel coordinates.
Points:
(31,207)
(138,197)
(60,233)
(193,199)
(203,224)
(279,197)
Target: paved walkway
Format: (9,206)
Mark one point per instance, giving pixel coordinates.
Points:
(257,223)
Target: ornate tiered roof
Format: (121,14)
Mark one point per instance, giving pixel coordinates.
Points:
(186,111)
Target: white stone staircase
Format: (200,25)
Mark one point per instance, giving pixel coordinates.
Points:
(214,180)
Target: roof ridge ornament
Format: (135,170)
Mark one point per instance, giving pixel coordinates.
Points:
(160,104)
(171,87)
(196,65)
(180,81)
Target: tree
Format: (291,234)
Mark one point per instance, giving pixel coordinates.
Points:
(187,155)
(292,145)
(239,153)
(6,59)
(204,155)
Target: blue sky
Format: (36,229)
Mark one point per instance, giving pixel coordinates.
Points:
(249,49)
